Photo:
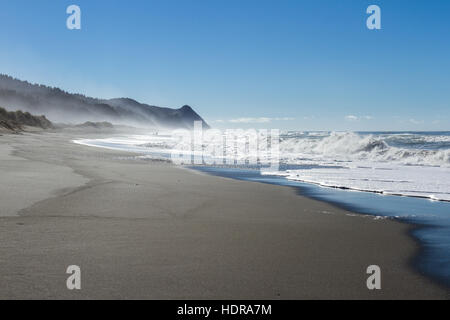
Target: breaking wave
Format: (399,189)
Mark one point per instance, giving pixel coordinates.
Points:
(407,149)
(407,164)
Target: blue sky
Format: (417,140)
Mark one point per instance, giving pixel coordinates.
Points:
(305,65)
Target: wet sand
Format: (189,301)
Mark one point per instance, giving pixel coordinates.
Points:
(144,229)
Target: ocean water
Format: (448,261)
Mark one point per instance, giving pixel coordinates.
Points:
(399,175)
(413,164)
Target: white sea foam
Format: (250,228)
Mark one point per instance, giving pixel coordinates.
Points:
(354,147)
(417,181)
(398,164)
(408,164)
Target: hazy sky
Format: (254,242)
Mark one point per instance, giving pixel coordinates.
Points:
(305,65)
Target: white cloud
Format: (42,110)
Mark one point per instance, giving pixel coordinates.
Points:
(351,118)
(284,119)
(357,118)
(259,120)
(250,120)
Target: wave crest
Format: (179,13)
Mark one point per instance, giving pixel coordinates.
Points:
(348,146)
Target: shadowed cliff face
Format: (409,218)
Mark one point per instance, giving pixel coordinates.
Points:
(61,106)
(16,121)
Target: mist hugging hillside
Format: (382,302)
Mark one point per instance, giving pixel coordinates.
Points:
(60,106)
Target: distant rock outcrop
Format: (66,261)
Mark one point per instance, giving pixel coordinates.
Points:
(18,120)
(61,106)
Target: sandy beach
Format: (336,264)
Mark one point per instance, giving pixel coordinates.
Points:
(143,229)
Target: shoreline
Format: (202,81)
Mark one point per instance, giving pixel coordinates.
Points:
(310,190)
(382,193)
(230,230)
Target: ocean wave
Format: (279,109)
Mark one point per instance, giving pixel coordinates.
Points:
(351,146)
(381,163)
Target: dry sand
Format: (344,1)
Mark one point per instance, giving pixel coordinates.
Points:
(148,230)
